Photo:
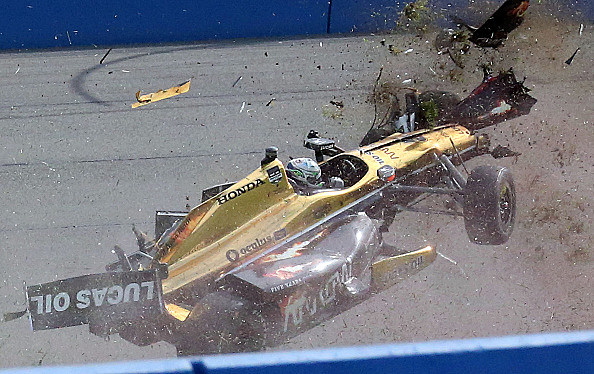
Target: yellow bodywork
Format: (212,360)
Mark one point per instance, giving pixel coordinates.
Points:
(387,272)
(177,312)
(255,214)
(161,94)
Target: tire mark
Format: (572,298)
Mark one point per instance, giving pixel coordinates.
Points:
(128,159)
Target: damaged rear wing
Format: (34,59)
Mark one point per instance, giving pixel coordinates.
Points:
(110,298)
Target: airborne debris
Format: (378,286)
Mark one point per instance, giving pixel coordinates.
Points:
(497,99)
(394,50)
(161,94)
(416,14)
(491,34)
(501,152)
(106,53)
(338,104)
(505,19)
(269,103)
(333,112)
(570,60)
(237,81)
(430,111)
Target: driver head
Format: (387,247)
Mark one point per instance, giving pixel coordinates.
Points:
(305,172)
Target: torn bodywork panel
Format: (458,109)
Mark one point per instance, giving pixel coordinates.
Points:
(496,99)
(161,94)
(505,19)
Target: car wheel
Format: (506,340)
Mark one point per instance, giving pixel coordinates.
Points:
(489,205)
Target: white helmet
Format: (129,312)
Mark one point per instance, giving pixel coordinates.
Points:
(305,172)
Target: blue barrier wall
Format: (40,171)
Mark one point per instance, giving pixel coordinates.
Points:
(544,353)
(364,15)
(63,23)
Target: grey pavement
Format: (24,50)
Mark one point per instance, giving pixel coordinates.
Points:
(79,166)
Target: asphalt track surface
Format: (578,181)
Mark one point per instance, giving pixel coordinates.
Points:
(79,167)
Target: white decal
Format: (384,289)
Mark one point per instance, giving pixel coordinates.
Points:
(115,295)
(48,303)
(84,299)
(407,267)
(299,306)
(39,301)
(129,288)
(61,302)
(149,286)
(99,295)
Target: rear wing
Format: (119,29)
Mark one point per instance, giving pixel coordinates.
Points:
(107,299)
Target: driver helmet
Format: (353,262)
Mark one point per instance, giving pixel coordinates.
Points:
(305,172)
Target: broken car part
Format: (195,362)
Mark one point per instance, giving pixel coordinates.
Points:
(161,94)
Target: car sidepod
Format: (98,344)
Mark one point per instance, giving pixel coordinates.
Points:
(311,278)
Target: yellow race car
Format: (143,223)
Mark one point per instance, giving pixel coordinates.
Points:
(266,258)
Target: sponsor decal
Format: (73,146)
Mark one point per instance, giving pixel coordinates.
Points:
(408,267)
(377,158)
(299,306)
(234,255)
(239,191)
(284,286)
(116,296)
(96,297)
(292,251)
(275,174)
(179,234)
(387,151)
(279,234)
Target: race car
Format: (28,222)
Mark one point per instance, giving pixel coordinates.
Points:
(263,259)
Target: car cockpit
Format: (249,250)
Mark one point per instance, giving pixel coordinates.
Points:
(339,172)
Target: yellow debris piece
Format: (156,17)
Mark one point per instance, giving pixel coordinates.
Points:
(177,311)
(161,94)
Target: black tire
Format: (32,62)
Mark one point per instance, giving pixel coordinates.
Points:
(221,323)
(489,205)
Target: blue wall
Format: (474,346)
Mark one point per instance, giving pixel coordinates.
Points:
(60,23)
(63,23)
(365,15)
(566,353)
